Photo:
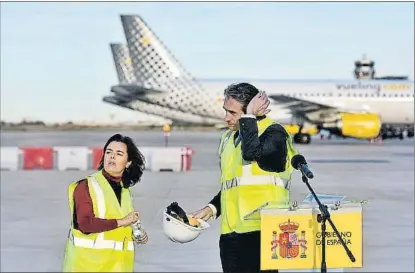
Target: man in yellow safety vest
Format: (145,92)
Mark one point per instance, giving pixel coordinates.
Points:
(255,160)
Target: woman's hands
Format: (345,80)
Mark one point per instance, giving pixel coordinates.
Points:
(128,220)
(143,238)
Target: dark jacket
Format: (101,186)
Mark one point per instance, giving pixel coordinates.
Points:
(269,150)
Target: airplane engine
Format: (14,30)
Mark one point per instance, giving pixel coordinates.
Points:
(356,125)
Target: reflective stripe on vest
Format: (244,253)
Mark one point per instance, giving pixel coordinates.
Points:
(248,179)
(99,242)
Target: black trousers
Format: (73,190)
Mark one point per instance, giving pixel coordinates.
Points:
(241,252)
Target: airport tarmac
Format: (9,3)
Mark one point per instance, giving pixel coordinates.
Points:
(35,215)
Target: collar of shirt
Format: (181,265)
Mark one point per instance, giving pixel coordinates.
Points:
(237,138)
(110,177)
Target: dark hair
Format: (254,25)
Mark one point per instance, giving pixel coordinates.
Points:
(241,92)
(132,174)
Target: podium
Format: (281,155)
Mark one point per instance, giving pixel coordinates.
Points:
(291,236)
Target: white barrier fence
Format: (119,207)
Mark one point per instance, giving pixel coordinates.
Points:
(162,159)
(72,158)
(10,158)
(174,159)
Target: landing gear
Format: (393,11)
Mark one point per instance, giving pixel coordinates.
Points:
(390,132)
(302,138)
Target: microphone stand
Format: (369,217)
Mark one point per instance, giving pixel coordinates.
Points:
(322,218)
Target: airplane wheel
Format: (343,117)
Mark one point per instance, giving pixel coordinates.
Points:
(302,138)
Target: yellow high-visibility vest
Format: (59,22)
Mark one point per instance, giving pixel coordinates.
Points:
(245,186)
(109,251)
(166,128)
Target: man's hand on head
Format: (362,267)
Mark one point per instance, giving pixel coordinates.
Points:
(258,106)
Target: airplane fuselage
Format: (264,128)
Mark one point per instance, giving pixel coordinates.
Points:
(392,100)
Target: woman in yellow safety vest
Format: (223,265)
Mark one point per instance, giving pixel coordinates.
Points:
(102,212)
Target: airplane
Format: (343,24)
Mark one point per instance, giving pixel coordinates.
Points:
(364,108)
(126,91)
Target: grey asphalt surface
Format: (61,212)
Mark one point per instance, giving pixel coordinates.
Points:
(35,215)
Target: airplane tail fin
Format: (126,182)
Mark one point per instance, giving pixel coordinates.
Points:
(154,65)
(123,64)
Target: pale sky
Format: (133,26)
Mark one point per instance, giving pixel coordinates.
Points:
(56,63)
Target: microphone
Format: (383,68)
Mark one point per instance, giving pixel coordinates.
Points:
(299,163)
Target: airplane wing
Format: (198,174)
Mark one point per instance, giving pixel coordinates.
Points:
(299,106)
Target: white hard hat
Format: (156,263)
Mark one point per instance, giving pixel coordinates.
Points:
(177,227)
